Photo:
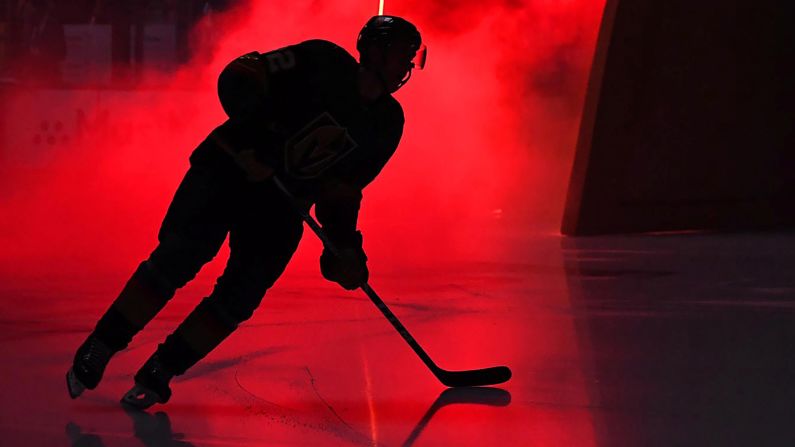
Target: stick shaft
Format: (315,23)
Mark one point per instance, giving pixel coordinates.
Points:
(379,303)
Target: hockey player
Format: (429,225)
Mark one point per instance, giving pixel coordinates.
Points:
(307,113)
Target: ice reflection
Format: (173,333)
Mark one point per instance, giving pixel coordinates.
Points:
(153,430)
(495,397)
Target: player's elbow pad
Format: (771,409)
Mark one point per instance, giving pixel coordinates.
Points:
(243,87)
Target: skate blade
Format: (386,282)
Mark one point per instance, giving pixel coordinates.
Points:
(141,398)
(73,385)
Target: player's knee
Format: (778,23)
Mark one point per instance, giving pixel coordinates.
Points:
(241,305)
(177,260)
(219,309)
(153,276)
(229,312)
(243,310)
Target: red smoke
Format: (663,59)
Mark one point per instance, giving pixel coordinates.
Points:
(490,131)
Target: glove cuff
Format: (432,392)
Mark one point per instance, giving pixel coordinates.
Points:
(345,240)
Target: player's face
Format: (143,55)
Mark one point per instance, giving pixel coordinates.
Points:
(397,63)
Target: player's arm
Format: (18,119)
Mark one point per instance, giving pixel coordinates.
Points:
(337,210)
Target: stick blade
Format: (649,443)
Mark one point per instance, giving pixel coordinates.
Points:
(475,377)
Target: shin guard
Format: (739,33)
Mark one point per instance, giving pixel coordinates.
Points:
(144,295)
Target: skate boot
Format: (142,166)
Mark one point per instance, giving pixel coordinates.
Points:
(151,385)
(89,364)
(141,299)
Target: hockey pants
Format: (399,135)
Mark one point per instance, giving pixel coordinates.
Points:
(211,202)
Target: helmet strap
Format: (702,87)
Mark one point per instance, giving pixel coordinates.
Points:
(406,79)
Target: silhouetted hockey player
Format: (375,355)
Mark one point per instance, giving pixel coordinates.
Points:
(325,125)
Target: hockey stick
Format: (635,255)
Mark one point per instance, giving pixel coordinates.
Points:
(474,377)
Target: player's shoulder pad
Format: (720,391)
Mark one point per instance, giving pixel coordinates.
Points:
(327,50)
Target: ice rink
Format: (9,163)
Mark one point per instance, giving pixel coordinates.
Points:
(664,340)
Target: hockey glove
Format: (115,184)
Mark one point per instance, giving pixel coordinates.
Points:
(349,269)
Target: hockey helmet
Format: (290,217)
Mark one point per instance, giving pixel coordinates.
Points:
(385,30)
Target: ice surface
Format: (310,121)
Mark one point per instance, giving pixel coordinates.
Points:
(643,340)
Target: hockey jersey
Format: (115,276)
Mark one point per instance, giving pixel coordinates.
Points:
(312,127)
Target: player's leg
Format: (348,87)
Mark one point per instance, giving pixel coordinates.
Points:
(262,241)
(192,232)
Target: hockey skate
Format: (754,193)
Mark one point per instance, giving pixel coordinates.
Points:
(151,385)
(89,364)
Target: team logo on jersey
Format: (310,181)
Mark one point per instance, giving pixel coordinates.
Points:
(317,147)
